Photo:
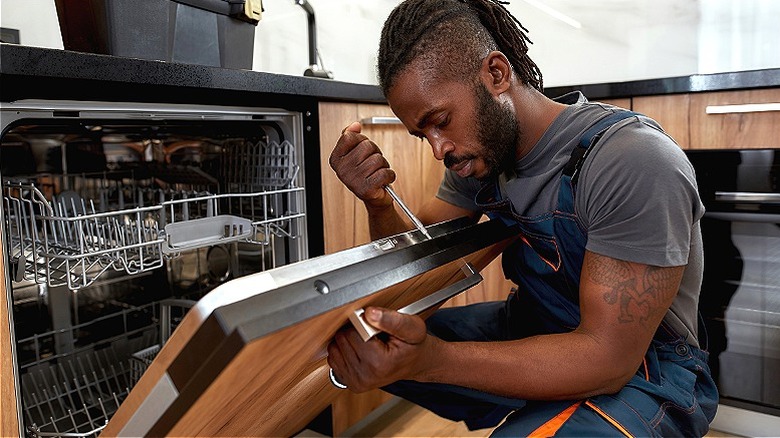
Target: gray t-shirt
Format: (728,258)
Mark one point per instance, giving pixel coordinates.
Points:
(636,195)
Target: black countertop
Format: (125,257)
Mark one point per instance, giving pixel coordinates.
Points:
(742,80)
(39,73)
(32,72)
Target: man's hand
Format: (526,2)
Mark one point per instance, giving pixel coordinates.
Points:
(360,165)
(367,365)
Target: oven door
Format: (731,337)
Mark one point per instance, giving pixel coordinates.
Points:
(740,298)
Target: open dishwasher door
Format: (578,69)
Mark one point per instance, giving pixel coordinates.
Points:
(250,358)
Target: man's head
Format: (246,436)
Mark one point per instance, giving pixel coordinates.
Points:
(451,38)
(447,68)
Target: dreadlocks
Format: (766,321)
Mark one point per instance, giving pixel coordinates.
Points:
(451,37)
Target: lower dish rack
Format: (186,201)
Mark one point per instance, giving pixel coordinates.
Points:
(75,394)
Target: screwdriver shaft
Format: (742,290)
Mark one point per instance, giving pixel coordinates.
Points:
(407,211)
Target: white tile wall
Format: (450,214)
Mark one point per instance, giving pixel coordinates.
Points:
(619,40)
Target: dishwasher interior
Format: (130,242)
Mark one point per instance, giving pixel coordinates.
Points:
(117,217)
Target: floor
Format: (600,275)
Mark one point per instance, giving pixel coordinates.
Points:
(405,419)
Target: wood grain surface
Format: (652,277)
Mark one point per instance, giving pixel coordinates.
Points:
(9,422)
(339,205)
(671,112)
(623,102)
(736,130)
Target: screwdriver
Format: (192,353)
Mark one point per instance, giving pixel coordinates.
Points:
(408,212)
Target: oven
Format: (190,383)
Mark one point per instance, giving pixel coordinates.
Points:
(740,298)
(117,218)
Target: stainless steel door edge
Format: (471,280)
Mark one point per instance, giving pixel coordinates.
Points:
(375,270)
(290,294)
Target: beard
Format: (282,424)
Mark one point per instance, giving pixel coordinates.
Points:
(497,132)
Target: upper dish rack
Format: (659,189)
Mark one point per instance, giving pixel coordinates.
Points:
(69,230)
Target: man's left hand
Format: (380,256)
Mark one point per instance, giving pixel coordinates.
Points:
(402,354)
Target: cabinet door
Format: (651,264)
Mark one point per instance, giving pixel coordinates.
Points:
(338,203)
(624,103)
(735,119)
(9,424)
(670,111)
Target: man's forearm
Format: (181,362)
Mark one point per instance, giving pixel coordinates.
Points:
(549,367)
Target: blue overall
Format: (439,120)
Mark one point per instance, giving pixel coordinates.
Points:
(672,393)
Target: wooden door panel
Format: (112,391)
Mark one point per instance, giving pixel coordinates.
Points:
(670,111)
(338,203)
(9,422)
(624,103)
(735,129)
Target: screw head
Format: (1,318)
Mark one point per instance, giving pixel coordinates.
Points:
(321,287)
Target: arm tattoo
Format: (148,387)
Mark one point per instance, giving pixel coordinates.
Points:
(623,286)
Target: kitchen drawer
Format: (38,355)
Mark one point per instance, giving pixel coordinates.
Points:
(670,111)
(724,120)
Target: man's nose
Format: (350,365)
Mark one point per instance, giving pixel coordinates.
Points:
(441,147)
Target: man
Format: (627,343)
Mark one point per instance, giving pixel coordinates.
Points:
(600,337)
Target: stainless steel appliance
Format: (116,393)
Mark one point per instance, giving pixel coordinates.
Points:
(117,217)
(740,299)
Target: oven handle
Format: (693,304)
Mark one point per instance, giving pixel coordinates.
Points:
(748,197)
(743,217)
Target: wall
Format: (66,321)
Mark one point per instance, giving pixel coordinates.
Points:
(618,40)
(35,19)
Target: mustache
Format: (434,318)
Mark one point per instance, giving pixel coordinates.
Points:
(453,160)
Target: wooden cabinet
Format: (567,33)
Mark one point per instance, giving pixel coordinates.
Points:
(735,119)
(744,119)
(346,224)
(9,423)
(670,111)
(621,102)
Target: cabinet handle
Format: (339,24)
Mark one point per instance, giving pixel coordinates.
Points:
(380,120)
(742,108)
(473,278)
(748,197)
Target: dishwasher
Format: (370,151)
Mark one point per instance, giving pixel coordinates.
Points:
(117,219)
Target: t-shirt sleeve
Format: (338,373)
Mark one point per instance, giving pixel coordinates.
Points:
(458,191)
(637,196)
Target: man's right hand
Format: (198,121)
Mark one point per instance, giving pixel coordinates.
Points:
(360,165)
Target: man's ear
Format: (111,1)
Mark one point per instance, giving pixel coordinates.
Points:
(496,72)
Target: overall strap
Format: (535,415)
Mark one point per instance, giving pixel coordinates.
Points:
(589,138)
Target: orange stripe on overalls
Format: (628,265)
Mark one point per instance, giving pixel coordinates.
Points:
(609,419)
(550,428)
